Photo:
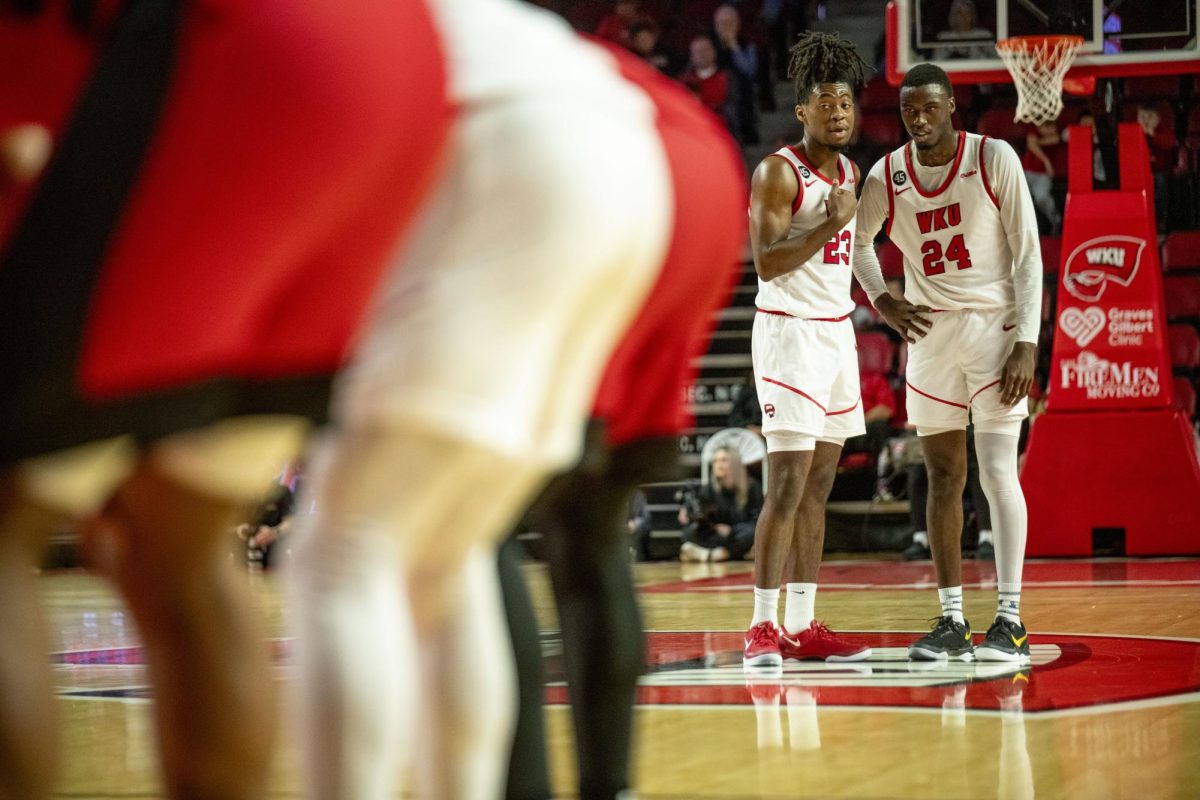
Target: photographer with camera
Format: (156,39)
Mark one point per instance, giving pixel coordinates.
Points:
(719,518)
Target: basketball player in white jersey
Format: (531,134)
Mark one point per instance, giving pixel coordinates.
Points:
(471,386)
(805,359)
(959,210)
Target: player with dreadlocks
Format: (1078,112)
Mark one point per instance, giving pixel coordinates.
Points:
(802,205)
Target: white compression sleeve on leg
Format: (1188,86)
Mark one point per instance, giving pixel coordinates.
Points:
(355,651)
(786,441)
(997,454)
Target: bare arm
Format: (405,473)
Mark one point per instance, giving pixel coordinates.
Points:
(772,191)
(1033,145)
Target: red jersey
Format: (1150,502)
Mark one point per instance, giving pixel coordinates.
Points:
(282,162)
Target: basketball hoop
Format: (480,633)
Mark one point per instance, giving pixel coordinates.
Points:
(1038,65)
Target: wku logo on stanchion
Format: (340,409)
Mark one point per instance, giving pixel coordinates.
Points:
(1096,262)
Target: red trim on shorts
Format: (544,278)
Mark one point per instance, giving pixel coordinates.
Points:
(958,155)
(990,385)
(931,397)
(987,184)
(806,319)
(799,184)
(845,410)
(887,178)
(794,389)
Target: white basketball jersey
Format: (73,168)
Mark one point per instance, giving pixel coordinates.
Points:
(820,289)
(956,252)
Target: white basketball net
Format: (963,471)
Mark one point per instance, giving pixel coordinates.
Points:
(1038,65)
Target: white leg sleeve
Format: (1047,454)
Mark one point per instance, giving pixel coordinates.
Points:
(469,684)
(997,453)
(355,651)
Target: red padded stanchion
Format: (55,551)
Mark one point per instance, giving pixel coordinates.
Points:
(1110,452)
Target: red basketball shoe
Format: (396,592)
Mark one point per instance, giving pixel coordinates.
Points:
(818,642)
(762,646)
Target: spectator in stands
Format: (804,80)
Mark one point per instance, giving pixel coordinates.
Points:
(644,42)
(640,525)
(918,493)
(738,56)
(1040,143)
(719,519)
(879,408)
(1151,123)
(708,81)
(964,27)
(617,25)
(1088,120)
(746,412)
(272,522)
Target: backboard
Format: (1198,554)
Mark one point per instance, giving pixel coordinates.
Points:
(1121,37)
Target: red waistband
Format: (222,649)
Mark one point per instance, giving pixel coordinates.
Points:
(806,319)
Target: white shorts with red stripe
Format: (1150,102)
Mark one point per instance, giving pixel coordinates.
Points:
(954,371)
(806,372)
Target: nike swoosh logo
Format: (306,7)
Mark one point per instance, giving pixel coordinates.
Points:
(902,191)
(1007,327)
(810,183)
(1018,642)
(967,636)
(968,174)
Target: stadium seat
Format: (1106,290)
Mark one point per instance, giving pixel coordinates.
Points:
(879,95)
(891,260)
(1184,344)
(1152,87)
(1185,397)
(1051,253)
(1181,251)
(1182,296)
(998,123)
(881,129)
(875,352)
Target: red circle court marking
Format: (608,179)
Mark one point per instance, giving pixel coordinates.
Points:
(704,668)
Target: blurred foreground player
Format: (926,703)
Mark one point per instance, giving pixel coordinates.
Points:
(640,414)
(470,388)
(227,184)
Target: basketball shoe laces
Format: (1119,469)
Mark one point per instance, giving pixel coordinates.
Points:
(762,635)
(821,631)
(940,624)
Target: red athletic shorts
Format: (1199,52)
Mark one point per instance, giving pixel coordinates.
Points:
(293,144)
(641,393)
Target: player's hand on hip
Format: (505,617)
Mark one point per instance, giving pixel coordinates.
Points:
(1017,375)
(903,317)
(840,205)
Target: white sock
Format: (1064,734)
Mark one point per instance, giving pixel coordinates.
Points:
(997,453)
(921,538)
(985,536)
(798,606)
(951,599)
(1009,603)
(766,606)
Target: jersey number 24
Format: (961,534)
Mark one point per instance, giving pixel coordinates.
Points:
(935,260)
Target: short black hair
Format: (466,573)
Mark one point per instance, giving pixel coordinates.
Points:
(825,58)
(925,74)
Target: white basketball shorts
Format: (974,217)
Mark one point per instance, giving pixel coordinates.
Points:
(806,372)
(954,370)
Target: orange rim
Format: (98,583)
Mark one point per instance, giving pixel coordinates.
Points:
(1028,42)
